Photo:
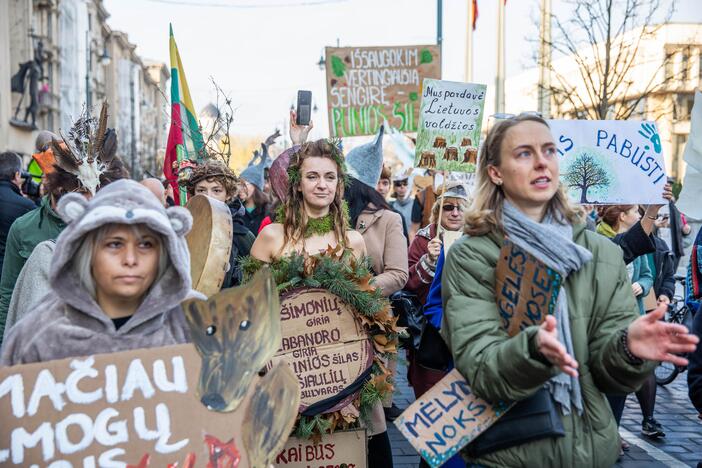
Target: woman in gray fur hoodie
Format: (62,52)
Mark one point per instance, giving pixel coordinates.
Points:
(119,273)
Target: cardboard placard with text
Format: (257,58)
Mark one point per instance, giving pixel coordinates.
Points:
(135,408)
(610,162)
(341,448)
(449,416)
(449,125)
(325,345)
(446,418)
(368,85)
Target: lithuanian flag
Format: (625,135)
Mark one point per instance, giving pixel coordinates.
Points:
(184,137)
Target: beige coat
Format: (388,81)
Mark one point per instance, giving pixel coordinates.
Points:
(386,245)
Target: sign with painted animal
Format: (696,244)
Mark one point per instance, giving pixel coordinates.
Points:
(341,448)
(449,416)
(610,162)
(134,409)
(326,346)
(368,85)
(449,125)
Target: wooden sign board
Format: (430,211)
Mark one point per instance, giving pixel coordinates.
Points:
(446,418)
(133,408)
(346,448)
(324,343)
(526,289)
(367,85)
(449,125)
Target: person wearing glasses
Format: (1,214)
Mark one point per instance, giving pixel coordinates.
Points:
(424,254)
(402,200)
(595,341)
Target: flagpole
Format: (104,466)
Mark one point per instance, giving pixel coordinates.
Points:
(545,52)
(500,78)
(469,43)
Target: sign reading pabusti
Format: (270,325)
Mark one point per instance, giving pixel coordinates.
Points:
(347,448)
(449,125)
(367,85)
(136,407)
(610,162)
(326,346)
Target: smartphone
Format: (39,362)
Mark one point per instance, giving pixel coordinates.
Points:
(304,107)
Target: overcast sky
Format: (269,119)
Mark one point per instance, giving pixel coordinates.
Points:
(263,51)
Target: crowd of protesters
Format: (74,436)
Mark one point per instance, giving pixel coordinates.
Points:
(84,271)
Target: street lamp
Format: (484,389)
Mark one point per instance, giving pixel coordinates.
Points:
(104,60)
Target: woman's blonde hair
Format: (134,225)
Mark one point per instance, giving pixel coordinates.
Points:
(436,207)
(295,216)
(485,214)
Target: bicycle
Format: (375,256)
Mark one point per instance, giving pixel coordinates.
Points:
(678,312)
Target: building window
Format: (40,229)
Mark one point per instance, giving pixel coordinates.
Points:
(682,106)
(685,72)
(668,66)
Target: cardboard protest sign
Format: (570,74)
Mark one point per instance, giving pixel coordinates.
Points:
(134,408)
(446,418)
(449,125)
(367,85)
(325,345)
(449,416)
(526,289)
(610,162)
(344,448)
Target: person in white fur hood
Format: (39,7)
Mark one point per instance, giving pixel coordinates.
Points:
(118,275)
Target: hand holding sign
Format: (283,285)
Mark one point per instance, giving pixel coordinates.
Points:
(547,343)
(650,338)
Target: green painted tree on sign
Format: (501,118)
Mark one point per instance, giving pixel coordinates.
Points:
(338,66)
(585,173)
(426,57)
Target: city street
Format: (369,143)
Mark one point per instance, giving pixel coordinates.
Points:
(681,447)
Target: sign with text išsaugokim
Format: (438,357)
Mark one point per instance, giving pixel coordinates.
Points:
(610,162)
(368,85)
(449,125)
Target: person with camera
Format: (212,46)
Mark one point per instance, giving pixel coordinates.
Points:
(593,342)
(12,203)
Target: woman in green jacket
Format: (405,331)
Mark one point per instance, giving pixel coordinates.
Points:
(595,342)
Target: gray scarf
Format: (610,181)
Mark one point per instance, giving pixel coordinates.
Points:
(552,243)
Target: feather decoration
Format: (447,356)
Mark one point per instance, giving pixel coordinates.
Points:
(90,149)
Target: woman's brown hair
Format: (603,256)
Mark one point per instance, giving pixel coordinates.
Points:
(295,216)
(610,214)
(485,214)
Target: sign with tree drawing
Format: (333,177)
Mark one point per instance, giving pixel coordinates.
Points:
(368,85)
(610,162)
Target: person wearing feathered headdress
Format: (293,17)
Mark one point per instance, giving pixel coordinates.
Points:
(84,161)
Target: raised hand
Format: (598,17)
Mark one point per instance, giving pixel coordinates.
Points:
(649,132)
(650,338)
(553,350)
(298,133)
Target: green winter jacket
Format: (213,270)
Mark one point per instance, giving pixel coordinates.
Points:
(26,232)
(600,304)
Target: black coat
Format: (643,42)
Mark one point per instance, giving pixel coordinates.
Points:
(242,240)
(694,369)
(12,206)
(634,243)
(664,261)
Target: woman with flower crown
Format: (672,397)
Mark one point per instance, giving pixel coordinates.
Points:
(312,219)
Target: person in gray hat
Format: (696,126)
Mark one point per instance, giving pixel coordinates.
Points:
(252,182)
(119,273)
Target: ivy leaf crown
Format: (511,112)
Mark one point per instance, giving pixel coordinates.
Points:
(337,155)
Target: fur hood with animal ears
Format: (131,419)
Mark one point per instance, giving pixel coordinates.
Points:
(122,202)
